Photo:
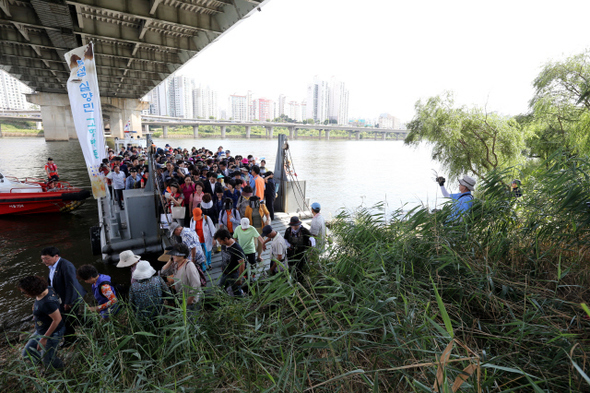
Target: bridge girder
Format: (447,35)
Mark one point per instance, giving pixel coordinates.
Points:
(137,42)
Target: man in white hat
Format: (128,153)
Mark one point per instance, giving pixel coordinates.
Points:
(126,259)
(245,235)
(463,200)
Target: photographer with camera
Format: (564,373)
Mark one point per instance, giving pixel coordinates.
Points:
(463,200)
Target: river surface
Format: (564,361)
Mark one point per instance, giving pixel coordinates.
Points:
(340,174)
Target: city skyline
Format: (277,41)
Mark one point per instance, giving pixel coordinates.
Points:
(326,101)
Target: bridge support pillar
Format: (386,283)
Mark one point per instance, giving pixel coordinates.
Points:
(56,113)
(295,133)
(349,134)
(146,128)
(196,131)
(357,135)
(223,132)
(319,134)
(269,132)
(248,131)
(327,135)
(291,132)
(119,111)
(384,135)
(165,131)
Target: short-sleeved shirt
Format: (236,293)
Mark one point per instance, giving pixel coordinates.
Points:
(231,257)
(191,239)
(147,296)
(41,310)
(246,238)
(278,247)
(259,182)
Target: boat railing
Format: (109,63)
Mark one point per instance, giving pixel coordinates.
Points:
(36,182)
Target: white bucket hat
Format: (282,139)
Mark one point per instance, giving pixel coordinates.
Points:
(143,271)
(468,182)
(245,223)
(127,258)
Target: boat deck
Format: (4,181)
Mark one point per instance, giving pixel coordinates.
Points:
(279,224)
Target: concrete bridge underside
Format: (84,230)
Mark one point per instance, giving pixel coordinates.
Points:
(138,43)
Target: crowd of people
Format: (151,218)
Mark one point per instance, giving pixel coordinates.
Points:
(227,206)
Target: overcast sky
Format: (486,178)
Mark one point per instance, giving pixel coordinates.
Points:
(392,53)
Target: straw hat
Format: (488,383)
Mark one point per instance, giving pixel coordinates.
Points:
(143,270)
(127,258)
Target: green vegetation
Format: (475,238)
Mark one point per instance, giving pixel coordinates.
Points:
(408,302)
(396,305)
(20,127)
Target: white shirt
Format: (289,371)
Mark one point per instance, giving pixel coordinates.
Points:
(278,247)
(118,180)
(318,226)
(52,271)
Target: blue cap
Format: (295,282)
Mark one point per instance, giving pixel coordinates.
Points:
(316,206)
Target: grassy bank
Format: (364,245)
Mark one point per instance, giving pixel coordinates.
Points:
(20,129)
(492,304)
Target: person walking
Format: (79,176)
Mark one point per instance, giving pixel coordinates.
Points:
(102,289)
(182,274)
(118,179)
(270,193)
(62,278)
(205,229)
(233,258)
(49,324)
(298,242)
(148,292)
(278,249)
(259,217)
(191,240)
(318,226)
(245,235)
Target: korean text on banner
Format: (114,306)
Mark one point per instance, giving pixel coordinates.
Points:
(87,112)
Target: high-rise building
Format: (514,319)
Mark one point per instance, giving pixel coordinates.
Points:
(327,101)
(180,96)
(263,109)
(205,103)
(238,107)
(281,103)
(338,103)
(12,93)
(158,99)
(317,100)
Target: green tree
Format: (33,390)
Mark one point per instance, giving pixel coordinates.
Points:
(466,140)
(561,107)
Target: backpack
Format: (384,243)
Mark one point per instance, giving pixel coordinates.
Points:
(256,218)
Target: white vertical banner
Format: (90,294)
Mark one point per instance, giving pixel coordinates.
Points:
(87,112)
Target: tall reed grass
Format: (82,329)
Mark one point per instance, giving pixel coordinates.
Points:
(404,303)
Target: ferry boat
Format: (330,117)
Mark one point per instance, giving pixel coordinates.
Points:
(32,196)
(140,228)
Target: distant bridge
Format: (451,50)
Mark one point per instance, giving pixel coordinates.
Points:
(167,122)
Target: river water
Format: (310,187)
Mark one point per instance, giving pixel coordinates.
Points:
(339,174)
